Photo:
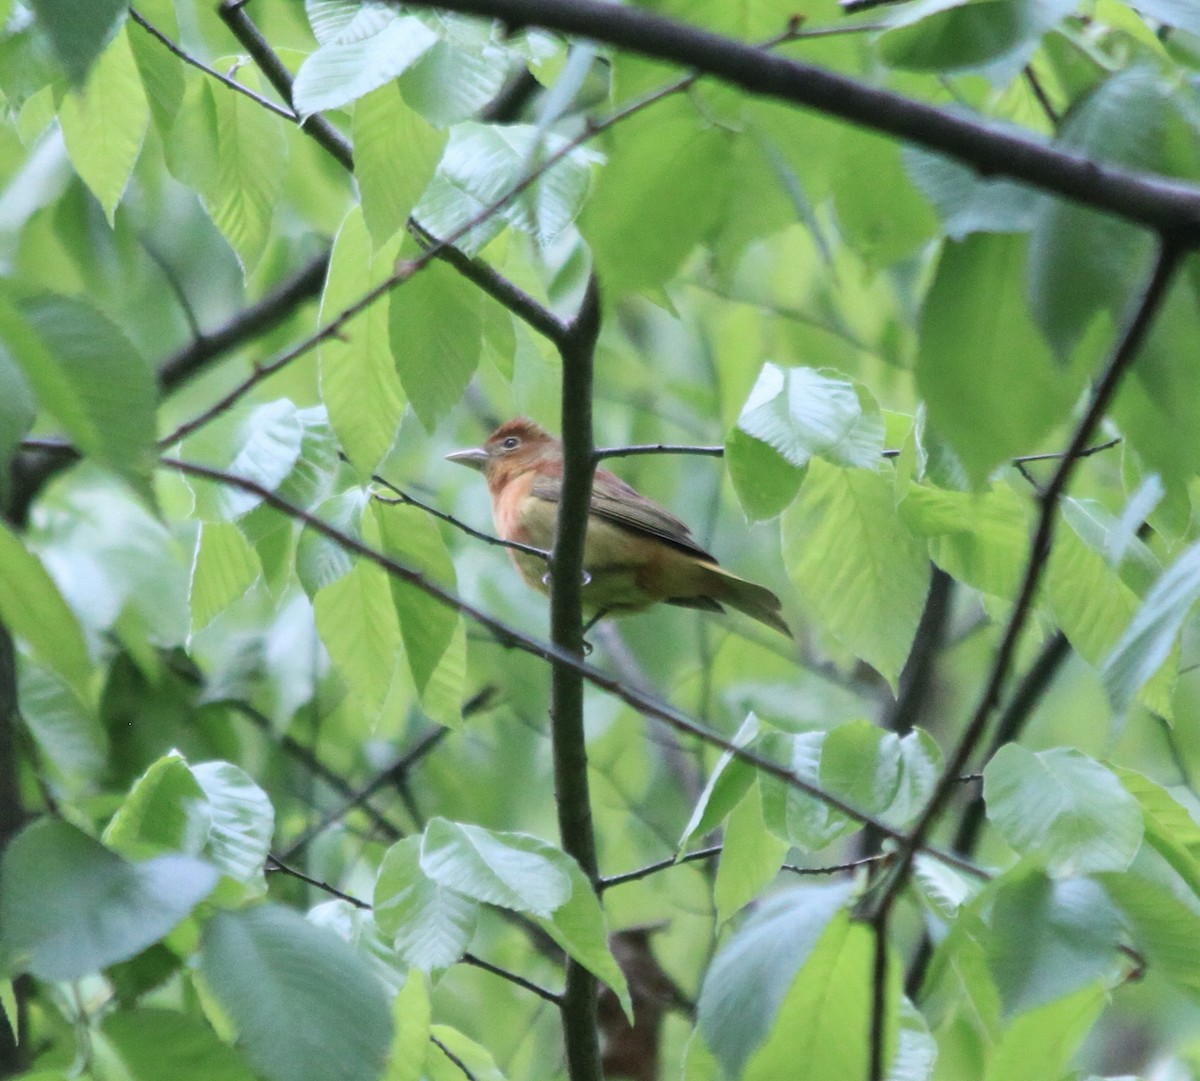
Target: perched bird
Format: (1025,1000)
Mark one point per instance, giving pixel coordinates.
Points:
(636,554)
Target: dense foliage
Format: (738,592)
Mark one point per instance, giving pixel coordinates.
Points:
(286,791)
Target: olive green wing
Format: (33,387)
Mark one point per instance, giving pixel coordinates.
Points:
(618,503)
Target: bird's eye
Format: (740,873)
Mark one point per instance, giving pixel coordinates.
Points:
(511,443)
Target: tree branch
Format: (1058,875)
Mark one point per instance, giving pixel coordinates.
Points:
(226,80)
(571,789)
(1169,207)
(247,324)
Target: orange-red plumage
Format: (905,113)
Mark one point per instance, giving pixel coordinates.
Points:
(636,553)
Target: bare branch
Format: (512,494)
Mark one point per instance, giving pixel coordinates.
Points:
(226,80)
(404,499)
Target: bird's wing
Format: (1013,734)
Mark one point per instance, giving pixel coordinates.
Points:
(616,502)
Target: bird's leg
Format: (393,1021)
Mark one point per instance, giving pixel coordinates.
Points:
(587,646)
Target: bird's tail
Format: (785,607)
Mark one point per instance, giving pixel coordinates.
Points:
(753,600)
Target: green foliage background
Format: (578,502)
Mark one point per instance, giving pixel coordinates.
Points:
(893,352)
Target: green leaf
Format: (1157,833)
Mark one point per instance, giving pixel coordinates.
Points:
(663,189)
(35,612)
(224,568)
(881,231)
(966,202)
(395,154)
(359,383)
(764,480)
(306,1006)
(165,811)
(830,994)
(89,377)
(750,977)
(861,573)
(578,927)
(449,83)
(160,71)
(977,538)
(967,35)
(483,163)
(243,821)
(104,909)
(156,1043)
(320,561)
(411,1017)
(79,30)
(436,334)
(357,927)
(1164,928)
(357,623)
(117,564)
(511,870)
(880,772)
(794,816)
(431,925)
(1063,808)
(1151,634)
(68,733)
(1082,262)
(805,412)
(18,409)
(104,123)
(1040,1044)
(433,638)
(1170,829)
(264,448)
(246,171)
(985,372)
(1093,605)
(1049,938)
(728,782)
(468,1056)
(370,51)
(750,857)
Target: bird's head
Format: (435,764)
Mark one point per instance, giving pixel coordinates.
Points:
(514,447)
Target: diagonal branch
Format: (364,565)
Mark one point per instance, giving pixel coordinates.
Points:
(1167,206)
(1126,350)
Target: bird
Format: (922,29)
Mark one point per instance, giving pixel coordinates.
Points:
(636,553)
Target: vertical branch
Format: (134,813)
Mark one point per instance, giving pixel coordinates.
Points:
(12,817)
(577,347)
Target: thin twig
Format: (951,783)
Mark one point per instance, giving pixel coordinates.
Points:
(226,80)
(466,1072)
(404,499)
(274,863)
(310,761)
(520,981)
(1039,92)
(389,776)
(656,448)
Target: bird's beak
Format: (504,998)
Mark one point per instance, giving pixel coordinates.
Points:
(476,457)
